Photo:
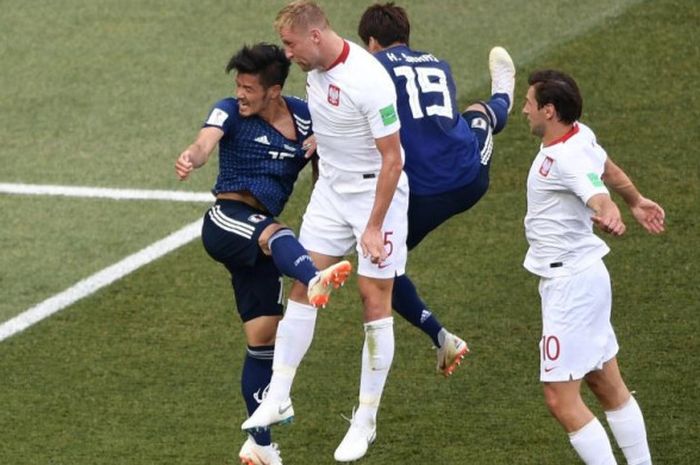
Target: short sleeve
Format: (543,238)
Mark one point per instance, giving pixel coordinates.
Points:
(378,103)
(581,172)
(222,115)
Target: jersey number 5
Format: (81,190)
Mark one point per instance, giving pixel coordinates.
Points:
(418,81)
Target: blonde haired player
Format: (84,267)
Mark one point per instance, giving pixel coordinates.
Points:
(360,200)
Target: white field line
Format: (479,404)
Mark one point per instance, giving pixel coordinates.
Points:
(99,280)
(105,193)
(114,272)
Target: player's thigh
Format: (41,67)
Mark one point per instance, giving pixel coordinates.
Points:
(324,229)
(258,289)
(577,336)
(231,230)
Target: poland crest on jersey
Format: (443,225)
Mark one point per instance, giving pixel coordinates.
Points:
(333,95)
(546,166)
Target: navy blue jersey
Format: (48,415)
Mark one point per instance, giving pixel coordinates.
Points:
(442,153)
(255,157)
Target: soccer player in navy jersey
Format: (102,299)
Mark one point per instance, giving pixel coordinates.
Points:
(261,136)
(448,154)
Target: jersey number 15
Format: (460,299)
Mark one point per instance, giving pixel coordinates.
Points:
(418,81)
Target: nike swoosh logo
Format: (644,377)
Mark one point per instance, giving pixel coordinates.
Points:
(547,370)
(281,410)
(381,267)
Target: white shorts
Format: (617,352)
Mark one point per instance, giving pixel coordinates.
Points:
(334,223)
(577,336)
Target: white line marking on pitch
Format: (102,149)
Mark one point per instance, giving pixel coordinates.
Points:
(105,193)
(99,280)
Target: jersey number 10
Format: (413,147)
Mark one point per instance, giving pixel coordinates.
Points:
(418,82)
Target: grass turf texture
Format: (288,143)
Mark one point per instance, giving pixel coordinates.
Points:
(146,371)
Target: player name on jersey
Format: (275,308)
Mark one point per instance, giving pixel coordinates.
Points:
(425,58)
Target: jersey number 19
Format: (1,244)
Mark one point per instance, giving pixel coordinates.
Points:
(418,81)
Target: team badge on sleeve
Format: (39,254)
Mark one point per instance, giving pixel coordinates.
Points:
(217,117)
(388,115)
(595,180)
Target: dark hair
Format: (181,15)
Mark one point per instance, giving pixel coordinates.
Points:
(387,23)
(559,89)
(266,60)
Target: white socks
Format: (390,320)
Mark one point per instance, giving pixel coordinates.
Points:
(592,444)
(294,335)
(627,425)
(377,355)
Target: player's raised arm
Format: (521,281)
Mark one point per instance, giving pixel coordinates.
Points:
(647,212)
(197,153)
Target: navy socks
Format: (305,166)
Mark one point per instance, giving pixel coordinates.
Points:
(290,257)
(409,305)
(255,379)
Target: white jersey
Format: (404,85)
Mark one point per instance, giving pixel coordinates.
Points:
(351,104)
(558,225)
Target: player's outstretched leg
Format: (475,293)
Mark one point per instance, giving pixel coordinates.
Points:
(502,72)
(253,454)
(325,281)
(500,103)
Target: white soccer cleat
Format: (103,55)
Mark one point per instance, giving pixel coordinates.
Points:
(356,442)
(269,413)
(450,355)
(253,454)
(502,72)
(325,281)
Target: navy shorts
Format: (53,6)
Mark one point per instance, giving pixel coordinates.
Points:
(427,212)
(230,236)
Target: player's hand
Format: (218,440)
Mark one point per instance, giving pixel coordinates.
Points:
(611,224)
(183,165)
(650,215)
(309,146)
(373,245)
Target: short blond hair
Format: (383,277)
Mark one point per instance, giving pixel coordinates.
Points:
(301,14)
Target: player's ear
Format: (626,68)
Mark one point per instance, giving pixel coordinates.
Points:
(274,91)
(373,45)
(315,35)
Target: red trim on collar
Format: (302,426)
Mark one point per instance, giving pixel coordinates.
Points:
(565,137)
(342,57)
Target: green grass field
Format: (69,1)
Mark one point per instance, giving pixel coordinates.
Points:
(106,93)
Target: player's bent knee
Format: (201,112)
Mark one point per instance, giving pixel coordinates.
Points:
(269,233)
(261,331)
(478,107)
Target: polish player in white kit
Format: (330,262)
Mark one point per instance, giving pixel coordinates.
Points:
(360,200)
